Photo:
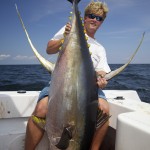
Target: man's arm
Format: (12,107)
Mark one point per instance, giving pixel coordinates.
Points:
(54,45)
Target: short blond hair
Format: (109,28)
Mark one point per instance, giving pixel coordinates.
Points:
(98,8)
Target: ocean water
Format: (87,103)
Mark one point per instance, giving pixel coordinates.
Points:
(35,77)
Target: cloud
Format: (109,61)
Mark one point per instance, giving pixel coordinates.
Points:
(21,57)
(4,56)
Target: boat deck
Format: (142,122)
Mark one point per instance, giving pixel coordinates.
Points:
(130,117)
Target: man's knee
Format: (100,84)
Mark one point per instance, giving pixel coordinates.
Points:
(106,108)
(41,108)
(103,105)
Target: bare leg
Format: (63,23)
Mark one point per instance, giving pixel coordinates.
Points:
(100,132)
(99,136)
(33,133)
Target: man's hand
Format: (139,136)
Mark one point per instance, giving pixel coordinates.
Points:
(101,81)
(67,29)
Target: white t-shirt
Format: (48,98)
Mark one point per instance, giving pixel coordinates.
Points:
(98,53)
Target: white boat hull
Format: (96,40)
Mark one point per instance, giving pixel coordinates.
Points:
(130,118)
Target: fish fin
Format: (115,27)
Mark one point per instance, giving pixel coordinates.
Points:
(101,118)
(96,115)
(92,110)
(77,1)
(65,138)
(40,122)
(46,64)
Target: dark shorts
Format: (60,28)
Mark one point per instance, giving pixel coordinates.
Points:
(45,92)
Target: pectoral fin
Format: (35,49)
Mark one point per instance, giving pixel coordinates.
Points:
(65,138)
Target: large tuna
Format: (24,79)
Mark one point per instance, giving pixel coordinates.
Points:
(73,88)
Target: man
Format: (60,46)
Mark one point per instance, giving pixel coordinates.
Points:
(95,13)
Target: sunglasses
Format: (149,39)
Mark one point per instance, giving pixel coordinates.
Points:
(98,18)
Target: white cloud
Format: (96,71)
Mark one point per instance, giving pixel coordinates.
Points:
(21,57)
(4,56)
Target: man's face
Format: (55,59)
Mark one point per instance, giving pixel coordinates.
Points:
(92,22)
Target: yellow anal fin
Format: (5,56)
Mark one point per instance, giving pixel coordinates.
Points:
(40,122)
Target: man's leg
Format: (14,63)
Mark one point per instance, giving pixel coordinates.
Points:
(99,136)
(34,133)
(100,132)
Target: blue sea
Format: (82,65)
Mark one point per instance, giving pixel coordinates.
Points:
(35,77)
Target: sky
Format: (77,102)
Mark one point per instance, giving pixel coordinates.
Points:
(120,33)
